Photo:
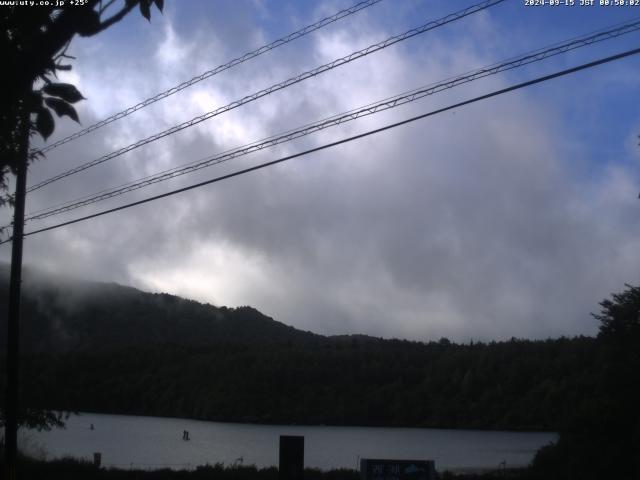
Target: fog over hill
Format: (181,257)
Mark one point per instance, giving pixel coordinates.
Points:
(62,314)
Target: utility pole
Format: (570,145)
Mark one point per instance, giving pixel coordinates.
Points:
(15,283)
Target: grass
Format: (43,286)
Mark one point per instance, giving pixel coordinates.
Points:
(73,469)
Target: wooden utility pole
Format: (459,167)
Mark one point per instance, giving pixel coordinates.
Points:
(15,283)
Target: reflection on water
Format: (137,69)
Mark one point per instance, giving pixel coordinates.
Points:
(151,442)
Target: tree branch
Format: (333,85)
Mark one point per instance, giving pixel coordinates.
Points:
(63,52)
(103,9)
(114,18)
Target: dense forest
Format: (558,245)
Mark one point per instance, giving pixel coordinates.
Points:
(113,349)
(511,385)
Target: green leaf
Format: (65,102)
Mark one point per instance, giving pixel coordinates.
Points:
(145,9)
(44,123)
(159,4)
(66,91)
(62,108)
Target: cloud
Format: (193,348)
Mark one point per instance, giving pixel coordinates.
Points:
(481,223)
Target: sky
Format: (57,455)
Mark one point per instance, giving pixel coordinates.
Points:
(510,217)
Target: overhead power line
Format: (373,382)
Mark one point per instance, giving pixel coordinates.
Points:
(220,68)
(345,140)
(274,88)
(370,109)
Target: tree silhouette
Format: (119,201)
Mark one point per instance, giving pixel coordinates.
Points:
(603,440)
(33,47)
(620,339)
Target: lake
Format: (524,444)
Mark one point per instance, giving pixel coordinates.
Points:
(151,443)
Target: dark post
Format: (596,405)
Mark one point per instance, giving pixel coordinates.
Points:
(13,324)
(291,457)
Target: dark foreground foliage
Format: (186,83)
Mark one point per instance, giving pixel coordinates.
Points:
(509,474)
(602,438)
(71,469)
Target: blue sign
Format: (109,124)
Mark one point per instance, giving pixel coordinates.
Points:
(371,469)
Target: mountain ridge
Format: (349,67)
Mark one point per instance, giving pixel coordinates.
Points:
(61,314)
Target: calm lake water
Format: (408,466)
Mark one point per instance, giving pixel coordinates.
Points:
(151,442)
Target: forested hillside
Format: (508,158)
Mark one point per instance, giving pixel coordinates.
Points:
(512,385)
(108,348)
(62,314)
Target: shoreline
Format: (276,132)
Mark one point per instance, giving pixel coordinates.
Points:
(324,425)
